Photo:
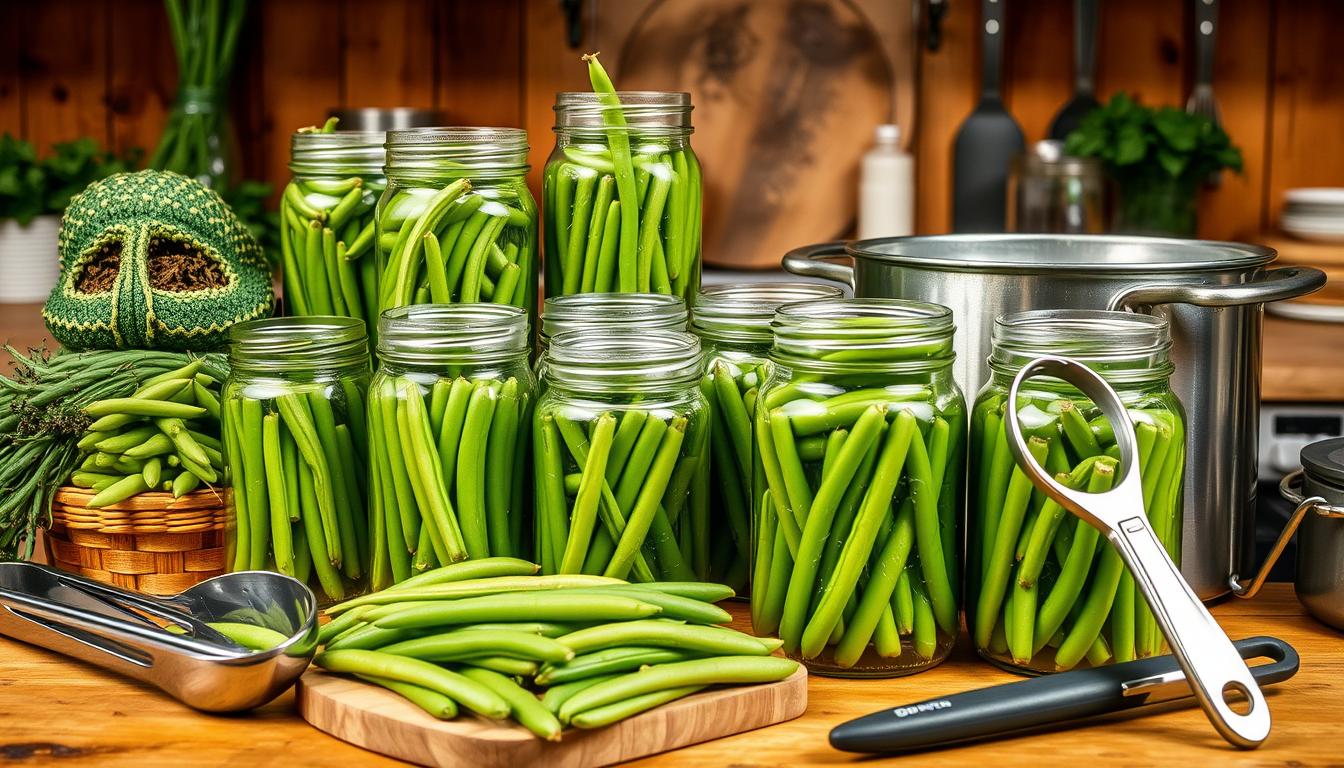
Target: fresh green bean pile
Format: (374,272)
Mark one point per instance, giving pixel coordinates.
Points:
(613,492)
(456,243)
(327,245)
(42,419)
(622,218)
(162,437)
(731,387)
(1048,590)
(298,491)
(489,636)
(448,465)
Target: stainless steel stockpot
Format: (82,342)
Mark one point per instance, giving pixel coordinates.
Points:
(1318,491)
(1212,293)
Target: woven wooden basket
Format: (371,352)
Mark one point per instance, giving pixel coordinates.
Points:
(152,542)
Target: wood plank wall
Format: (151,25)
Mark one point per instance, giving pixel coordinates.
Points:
(104,68)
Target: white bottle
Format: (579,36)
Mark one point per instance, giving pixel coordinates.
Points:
(887,187)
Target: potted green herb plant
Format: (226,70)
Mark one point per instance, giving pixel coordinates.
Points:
(33,194)
(1158,158)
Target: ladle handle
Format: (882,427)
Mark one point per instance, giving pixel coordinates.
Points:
(1211,663)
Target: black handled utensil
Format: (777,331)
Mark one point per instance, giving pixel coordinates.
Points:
(1044,701)
(987,142)
(1084,98)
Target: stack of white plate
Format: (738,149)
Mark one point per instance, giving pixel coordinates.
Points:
(1314,213)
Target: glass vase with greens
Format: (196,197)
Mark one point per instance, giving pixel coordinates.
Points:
(1158,157)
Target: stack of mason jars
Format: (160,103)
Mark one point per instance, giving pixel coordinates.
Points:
(809,450)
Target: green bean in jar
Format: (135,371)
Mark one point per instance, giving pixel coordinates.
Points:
(327,223)
(295,439)
(733,323)
(1046,592)
(449,414)
(860,439)
(622,193)
(619,436)
(457,223)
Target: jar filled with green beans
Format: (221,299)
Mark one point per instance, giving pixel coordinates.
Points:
(860,436)
(1045,591)
(327,224)
(449,415)
(457,223)
(619,436)
(296,442)
(622,195)
(733,323)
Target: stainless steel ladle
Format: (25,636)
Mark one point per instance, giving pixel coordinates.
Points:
(1216,672)
(127,632)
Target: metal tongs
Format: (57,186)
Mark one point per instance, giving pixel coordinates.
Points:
(168,642)
(1215,671)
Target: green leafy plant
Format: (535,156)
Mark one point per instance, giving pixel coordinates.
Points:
(31,186)
(1158,156)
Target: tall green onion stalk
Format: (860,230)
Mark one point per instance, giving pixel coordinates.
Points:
(205,37)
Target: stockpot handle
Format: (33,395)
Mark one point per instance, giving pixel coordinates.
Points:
(809,262)
(1289,488)
(1273,285)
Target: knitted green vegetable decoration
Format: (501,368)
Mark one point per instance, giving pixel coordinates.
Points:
(154,260)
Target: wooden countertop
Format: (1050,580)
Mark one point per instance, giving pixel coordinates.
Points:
(51,706)
(1302,361)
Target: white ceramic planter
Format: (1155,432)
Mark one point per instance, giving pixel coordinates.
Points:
(29,262)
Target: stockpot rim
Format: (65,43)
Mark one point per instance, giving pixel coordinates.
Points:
(1013,254)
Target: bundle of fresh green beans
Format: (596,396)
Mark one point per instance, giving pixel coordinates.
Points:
(489,636)
(1048,591)
(462,241)
(623,210)
(327,241)
(42,420)
(731,386)
(296,452)
(449,459)
(162,437)
(613,491)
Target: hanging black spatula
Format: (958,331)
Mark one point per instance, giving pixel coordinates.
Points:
(1084,69)
(986,142)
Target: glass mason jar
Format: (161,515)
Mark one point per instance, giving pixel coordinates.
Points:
(619,435)
(1045,592)
(860,436)
(295,437)
(622,196)
(602,311)
(449,412)
(457,224)
(327,224)
(733,323)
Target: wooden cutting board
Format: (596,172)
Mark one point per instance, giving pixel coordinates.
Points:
(786,96)
(379,720)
